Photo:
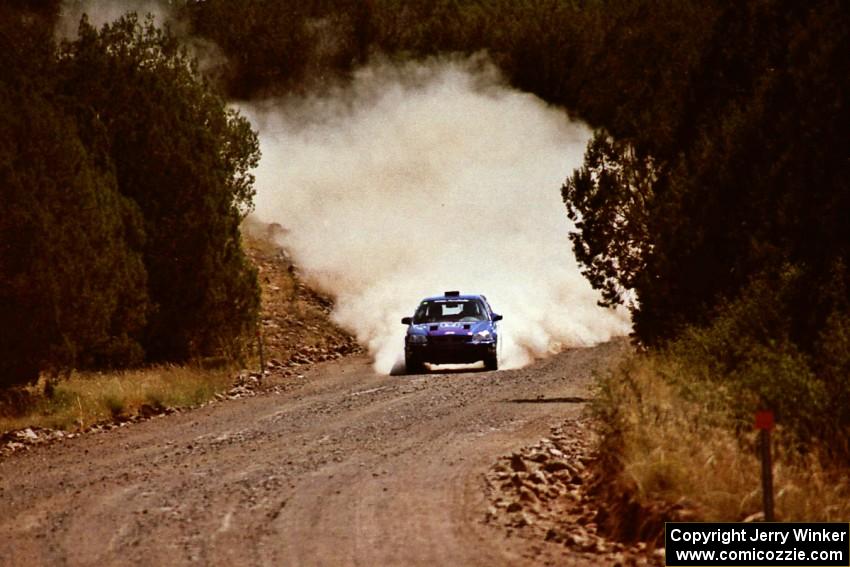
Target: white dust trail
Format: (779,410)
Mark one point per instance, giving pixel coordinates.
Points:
(430,177)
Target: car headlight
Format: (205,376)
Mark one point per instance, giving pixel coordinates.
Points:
(482,336)
(417,339)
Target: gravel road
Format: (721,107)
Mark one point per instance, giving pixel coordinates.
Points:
(342,467)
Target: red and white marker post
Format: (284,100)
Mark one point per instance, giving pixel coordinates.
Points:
(764,423)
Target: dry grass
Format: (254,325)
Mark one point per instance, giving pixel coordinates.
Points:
(88,398)
(684,448)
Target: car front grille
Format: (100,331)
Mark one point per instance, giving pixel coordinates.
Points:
(448,339)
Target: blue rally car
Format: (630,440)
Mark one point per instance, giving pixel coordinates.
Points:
(452,328)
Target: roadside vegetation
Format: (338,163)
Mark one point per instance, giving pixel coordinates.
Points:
(88,398)
(296,330)
(676,447)
(124,180)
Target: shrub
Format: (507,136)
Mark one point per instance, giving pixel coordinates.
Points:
(184,159)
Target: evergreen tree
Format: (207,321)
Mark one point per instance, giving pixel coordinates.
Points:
(184,159)
(72,283)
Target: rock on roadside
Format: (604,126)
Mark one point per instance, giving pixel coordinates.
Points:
(541,492)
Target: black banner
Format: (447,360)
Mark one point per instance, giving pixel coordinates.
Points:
(757,544)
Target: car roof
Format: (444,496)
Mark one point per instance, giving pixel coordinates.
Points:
(467,296)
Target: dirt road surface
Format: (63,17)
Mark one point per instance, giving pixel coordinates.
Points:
(343,467)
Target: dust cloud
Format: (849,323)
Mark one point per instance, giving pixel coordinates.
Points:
(210,58)
(427,177)
(100,12)
(415,179)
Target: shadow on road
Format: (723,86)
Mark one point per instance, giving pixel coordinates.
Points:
(400,370)
(562,400)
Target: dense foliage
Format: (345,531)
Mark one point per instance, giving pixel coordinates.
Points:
(184,159)
(123,180)
(730,230)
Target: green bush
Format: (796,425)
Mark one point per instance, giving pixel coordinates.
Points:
(123,181)
(72,283)
(184,159)
(748,350)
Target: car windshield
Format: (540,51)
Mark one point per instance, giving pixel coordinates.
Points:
(450,310)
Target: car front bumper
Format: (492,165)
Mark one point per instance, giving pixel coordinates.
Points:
(450,351)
